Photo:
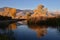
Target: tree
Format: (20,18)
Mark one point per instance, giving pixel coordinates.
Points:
(6,11)
(28,15)
(1,13)
(40,11)
(39,14)
(45,11)
(12,13)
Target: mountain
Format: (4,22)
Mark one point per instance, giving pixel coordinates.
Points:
(18,10)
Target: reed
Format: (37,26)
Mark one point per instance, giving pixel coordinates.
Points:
(48,21)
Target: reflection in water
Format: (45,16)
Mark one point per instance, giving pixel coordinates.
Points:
(23,32)
(7,34)
(12,26)
(41,30)
(58,28)
(55,27)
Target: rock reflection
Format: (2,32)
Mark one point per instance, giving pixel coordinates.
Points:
(41,30)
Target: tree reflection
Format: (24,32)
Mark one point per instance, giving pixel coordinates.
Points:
(12,26)
(7,34)
(58,29)
(41,30)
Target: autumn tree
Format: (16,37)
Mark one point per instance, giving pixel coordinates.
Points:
(1,13)
(39,14)
(45,11)
(28,15)
(6,11)
(40,10)
(12,13)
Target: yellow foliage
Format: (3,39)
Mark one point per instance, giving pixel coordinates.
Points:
(1,13)
(27,15)
(40,11)
(39,14)
(40,6)
(9,12)
(12,12)
(6,11)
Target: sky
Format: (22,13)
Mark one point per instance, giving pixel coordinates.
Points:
(52,5)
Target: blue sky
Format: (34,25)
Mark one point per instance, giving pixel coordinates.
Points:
(31,4)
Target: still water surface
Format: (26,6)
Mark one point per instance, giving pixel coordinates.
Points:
(25,32)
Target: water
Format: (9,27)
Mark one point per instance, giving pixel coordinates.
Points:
(25,32)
